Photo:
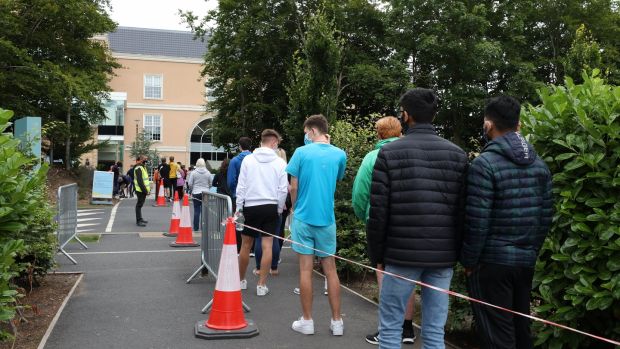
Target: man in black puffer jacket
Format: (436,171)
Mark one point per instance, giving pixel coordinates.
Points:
(415,198)
(508,214)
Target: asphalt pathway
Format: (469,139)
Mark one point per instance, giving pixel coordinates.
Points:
(134,295)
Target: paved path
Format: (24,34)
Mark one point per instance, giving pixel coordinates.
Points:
(134,295)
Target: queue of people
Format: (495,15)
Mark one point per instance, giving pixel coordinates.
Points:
(426,207)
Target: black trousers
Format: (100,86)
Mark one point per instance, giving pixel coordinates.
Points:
(141,197)
(507,287)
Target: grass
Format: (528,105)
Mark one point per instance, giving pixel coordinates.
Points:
(88,237)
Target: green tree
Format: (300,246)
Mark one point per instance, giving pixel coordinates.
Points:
(143,145)
(576,130)
(250,50)
(584,54)
(314,84)
(50,66)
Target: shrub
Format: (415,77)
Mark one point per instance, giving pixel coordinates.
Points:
(576,130)
(356,138)
(24,211)
(8,295)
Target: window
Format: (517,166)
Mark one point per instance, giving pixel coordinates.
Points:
(152,126)
(153,86)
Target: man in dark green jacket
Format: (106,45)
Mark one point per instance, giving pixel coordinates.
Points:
(388,130)
(508,214)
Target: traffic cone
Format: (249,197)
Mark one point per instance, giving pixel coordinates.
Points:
(175,221)
(161,199)
(227,319)
(185,238)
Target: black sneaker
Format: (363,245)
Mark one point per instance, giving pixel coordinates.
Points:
(408,335)
(141,224)
(373,338)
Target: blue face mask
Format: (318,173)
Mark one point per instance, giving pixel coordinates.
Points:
(306,139)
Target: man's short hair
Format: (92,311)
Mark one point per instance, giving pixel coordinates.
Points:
(269,133)
(388,127)
(245,143)
(421,104)
(504,111)
(139,157)
(171,158)
(163,160)
(318,122)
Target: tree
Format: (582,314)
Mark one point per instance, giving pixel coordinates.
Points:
(250,51)
(143,145)
(50,66)
(584,55)
(314,84)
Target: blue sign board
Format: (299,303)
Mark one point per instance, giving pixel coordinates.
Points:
(103,183)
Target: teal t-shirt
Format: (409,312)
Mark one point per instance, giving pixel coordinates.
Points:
(317,167)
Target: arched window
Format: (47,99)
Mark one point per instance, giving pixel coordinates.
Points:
(201,141)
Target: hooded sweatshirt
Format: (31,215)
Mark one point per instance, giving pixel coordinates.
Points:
(233,171)
(509,204)
(262,180)
(199,180)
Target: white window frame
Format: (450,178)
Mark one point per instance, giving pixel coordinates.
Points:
(161,125)
(161,79)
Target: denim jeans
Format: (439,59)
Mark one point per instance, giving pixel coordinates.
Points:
(393,300)
(197,202)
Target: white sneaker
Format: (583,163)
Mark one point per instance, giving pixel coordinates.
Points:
(252,255)
(296,290)
(244,284)
(261,290)
(337,327)
(303,326)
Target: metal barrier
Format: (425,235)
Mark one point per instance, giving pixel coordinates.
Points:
(215,209)
(67,218)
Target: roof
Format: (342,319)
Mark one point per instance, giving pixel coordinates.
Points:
(156,42)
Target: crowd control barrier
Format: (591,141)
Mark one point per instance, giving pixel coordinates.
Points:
(67,218)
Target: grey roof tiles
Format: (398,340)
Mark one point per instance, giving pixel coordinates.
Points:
(156,42)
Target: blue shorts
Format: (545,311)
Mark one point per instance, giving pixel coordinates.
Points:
(321,238)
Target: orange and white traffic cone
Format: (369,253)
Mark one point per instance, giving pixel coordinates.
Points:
(227,319)
(175,221)
(185,238)
(161,199)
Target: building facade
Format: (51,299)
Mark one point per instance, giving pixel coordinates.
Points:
(158,90)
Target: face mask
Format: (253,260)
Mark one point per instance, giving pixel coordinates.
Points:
(307,140)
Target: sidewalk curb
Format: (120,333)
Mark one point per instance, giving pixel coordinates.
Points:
(52,324)
(377,304)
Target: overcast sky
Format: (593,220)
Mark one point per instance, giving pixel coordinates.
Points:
(158,14)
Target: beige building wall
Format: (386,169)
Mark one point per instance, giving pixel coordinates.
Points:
(181,106)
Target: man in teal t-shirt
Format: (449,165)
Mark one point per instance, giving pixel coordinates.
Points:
(314,170)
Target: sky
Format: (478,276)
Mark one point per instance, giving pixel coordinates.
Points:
(157,14)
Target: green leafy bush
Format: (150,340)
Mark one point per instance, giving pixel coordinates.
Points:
(8,295)
(356,138)
(576,131)
(24,211)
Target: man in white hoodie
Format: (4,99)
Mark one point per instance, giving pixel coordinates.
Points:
(261,194)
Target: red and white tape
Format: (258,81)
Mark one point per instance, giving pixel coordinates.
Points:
(451,293)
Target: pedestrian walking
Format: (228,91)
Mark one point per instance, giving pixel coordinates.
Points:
(172,176)
(199,181)
(164,172)
(143,187)
(232,176)
(508,212)
(261,193)
(277,243)
(220,179)
(388,130)
(413,225)
(314,169)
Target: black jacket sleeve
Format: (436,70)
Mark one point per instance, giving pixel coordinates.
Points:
(376,229)
(141,180)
